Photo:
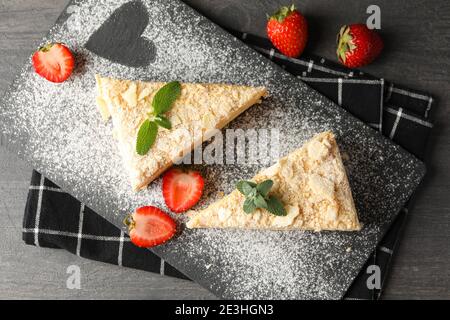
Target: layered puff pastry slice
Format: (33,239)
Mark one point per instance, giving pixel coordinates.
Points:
(200,109)
(310,182)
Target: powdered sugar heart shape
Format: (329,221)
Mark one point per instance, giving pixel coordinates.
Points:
(119,39)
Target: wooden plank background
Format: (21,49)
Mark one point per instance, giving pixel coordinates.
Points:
(417,54)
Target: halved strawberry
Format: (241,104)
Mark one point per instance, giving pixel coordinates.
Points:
(150,226)
(182,190)
(54,62)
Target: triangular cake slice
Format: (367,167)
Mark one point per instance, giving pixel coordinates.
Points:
(194,116)
(310,182)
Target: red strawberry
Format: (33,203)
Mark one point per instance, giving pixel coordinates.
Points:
(150,226)
(288,31)
(358,45)
(182,190)
(54,62)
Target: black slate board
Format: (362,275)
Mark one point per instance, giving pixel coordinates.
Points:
(57,129)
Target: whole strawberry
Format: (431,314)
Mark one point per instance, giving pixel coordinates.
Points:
(288,31)
(358,45)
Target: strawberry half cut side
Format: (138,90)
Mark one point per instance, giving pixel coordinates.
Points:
(54,62)
(182,189)
(150,226)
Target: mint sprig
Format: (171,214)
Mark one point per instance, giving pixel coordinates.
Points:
(162,102)
(257,196)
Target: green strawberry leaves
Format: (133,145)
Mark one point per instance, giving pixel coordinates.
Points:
(282,13)
(162,102)
(257,196)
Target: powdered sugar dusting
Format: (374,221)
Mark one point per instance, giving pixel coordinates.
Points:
(58,129)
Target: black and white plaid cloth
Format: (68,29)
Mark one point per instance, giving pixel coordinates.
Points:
(55,219)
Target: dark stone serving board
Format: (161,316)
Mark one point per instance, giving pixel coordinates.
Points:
(57,128)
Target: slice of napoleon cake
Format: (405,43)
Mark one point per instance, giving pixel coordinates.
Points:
(194,116)
(311,184)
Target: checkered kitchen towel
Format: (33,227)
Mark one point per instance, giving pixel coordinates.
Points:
(55,219)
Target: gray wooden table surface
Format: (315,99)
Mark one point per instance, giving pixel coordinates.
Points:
(417,54)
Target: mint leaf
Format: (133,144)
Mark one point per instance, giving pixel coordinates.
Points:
(251,183)
(249,206)
(245,187)
(165,97)
(256,197)
(146,137)
(264,187)
(275,207)
(260,202)
(163,122)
